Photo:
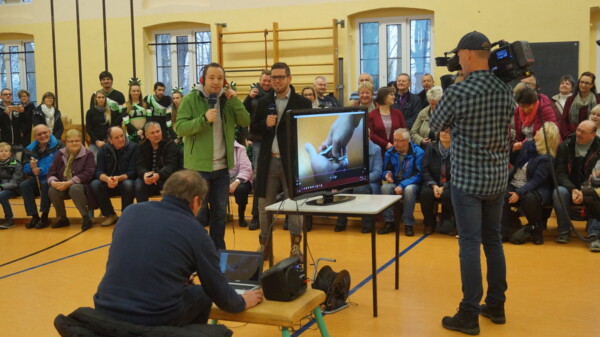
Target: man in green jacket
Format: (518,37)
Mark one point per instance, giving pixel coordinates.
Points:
(207,119)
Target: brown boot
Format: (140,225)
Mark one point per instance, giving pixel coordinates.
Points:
(295,249)
(265,248)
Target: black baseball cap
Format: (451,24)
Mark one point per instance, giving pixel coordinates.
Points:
(473,41)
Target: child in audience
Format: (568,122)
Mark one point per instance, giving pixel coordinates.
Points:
(10,177)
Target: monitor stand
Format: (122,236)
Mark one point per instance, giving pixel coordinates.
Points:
(330,199)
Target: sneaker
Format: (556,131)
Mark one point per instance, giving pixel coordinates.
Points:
(463,321)
(109,220)
(31,224)
(563,238)
(61,222)
(495,314)
(87,223)
(595,246)
(9,223)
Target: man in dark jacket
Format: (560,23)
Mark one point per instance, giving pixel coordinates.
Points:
(115,174)
(270,123)
(157,159)
(10,120)
(156,247)
(409,104)
(575,160)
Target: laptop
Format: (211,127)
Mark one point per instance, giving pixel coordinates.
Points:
(241,268)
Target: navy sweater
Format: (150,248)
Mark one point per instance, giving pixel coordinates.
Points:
(156,246)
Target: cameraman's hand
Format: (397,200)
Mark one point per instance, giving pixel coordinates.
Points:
(252,298)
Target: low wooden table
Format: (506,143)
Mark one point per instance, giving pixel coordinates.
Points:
(283,314)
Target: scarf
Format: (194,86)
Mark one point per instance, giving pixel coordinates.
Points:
(527,119)
(444,152)
(68,173)
(49,116)
(578,104)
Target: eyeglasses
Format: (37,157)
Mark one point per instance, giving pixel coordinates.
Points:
(278,78)
(309,94)
(7,94)
(74,141)
(585,83)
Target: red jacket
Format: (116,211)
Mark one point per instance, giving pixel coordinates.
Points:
(568,127)
(378,134)
(547,112)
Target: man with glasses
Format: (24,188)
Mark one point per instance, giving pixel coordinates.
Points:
(10,120)
(478,111)
(402,166)
(575,161)
(37,159)
(270,124)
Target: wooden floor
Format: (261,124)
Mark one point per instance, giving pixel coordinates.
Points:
(554,290)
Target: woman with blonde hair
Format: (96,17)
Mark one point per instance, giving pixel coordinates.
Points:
(136,111)
(98,120)
(595,117)
(530,184)
(365,96)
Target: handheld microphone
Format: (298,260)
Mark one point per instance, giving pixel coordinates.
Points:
(212,101)
(272,110)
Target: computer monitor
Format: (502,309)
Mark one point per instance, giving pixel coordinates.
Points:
(328,151)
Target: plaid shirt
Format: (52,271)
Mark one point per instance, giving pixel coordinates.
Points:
(478,110)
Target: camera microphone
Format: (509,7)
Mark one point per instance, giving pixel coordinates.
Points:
(272,110)
(212,101)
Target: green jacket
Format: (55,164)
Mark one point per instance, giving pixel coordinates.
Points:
(197,132)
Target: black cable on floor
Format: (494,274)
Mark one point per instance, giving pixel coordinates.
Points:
(42,250)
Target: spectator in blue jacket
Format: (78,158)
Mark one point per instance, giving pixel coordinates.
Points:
(115,174)
(10,177)
(37,158)
(402,173)
(374,187)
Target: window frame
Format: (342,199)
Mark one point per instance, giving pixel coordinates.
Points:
(23,69)
(405,36)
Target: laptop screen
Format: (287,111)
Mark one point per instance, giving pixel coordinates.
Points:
(241,266)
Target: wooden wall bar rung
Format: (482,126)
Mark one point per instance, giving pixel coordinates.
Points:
(308,38)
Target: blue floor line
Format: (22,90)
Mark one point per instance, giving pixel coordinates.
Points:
(362,283)
(62,258)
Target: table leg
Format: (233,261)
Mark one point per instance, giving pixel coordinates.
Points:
(374,271)
(305,244)
(397,252)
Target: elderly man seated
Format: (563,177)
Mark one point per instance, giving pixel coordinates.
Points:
(157,159)
(115,174)
(402,166)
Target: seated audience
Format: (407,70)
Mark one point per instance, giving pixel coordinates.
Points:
(532,110)
(436,184)
(578,106)
(595,117)
(530,182)
(309,92)
(98,120)
(384,120)
(11,175)
(365,96)
(156,247)
(241,180)
(575,160)
(402,168)
(157,159)
(374,187)
(136,112)
(427,83)
(38,157)
(26,113)
(405,101)
(47,114)
(325,100)
(115,174)
(420,133)
(69,176)
(364,77)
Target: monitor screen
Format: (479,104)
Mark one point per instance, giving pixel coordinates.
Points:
(328,150)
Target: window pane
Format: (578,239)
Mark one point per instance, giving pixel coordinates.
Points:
(30,71)
(15,79)
(183,64)
(394,51)
(369,50)
(420,48)
(2,68)
(163,60)
(203,51)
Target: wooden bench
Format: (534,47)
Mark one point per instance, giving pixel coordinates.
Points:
(282,314)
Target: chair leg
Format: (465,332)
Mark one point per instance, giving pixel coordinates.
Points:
(320,322)
(285,332)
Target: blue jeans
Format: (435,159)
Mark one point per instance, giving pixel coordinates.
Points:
(562,213)
(478,221)
(369,220)
(29,189)
(125,189)
(218,198)
(409,199)
(4,196)
(144,191)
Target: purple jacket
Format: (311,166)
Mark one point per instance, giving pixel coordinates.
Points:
(242,167)
(83,168)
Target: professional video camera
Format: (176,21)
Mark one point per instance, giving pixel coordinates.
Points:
(509,61)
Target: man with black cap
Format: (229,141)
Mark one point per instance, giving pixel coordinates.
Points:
(478,112)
